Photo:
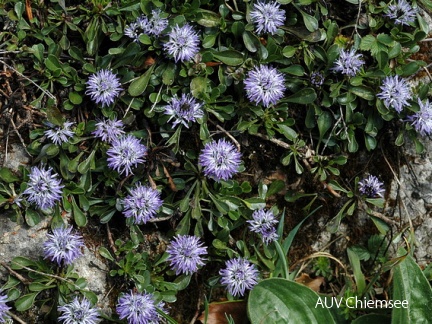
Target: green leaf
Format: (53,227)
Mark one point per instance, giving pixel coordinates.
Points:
(25,302)
(138,86)
(79,216)
(358,274)
(37,286)
(103,251)
(288,132)
(251,42)
(198,86)
(410,284)
(304,96)
(282,301)
(229,57)
(363,92)
(87,164)
(7,176)
(325,122)
(32,217)
(207,18)
(52,63)
(75,98)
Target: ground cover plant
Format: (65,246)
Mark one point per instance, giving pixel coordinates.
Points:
(226,127)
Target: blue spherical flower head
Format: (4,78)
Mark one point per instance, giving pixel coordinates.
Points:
(239,275)
(186,254)
(3,308)
(371,187)
(184,110)
(142,204)
(126,152)
(133,31)
(422,120)
(317,79)
(109,129)
(349,62)
(137,308)
(267,17)
(395,92)
(103,87)
(63,245)
(263,223)
(220,160)
(44,188)
(264,85)
(402,12)
(59,134)
(157,23)
(183,43)
(79,312)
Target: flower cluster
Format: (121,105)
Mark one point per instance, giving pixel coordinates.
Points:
(349,62)
(137,308)
(267,17)
(185,254)
(63,245)
(371,187)
(395,92)
(79,312)
(264,85)
(184,110)
(401,12)
(220,160)
(103,87)
(59,134)
(239,275)
(126,152)
(263,222)
(142,204)
(422,119)
(3,308)
(154,25)
(109,129)
(182,43)
(44,188)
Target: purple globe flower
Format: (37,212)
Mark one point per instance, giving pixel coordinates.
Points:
(79,312)
(3,308)
(63,245)
(349,63)
(395,92)
(126,152)
(183,43)
(402,12)
(133,31)
(137,308)
(157,23)
(422,120)
(220,160)
(185,254)
(142,204)
(109,129)
(154,25)
(184,110)
(317,79)
(263,222)
(371,187)
(59,134)
(239,275)
(264,85)
(103,87)
(267,17)
(44,188)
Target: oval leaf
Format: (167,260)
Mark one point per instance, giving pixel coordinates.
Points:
(278,300)
(139,85)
